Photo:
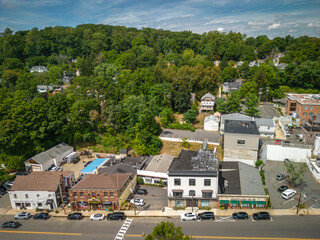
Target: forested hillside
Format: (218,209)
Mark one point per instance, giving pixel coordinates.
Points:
(127,77)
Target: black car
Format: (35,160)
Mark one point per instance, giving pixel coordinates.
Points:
(261,216)
(116,216)
(206,216)
(11,224)
(41,216)
(240,215)
(142,191)
(2,191)
(283,188)
(75,216)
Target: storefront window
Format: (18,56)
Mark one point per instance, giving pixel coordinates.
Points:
(205,203)
(83,205)
(234,203)
(179,203)
(106,205)
(28,205)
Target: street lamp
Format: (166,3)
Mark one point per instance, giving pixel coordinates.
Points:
(267,93)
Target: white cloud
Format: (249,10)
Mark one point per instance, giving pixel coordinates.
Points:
(257,23)
(220,29)
(274,26)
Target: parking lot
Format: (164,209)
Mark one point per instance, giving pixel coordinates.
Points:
(310,190)
(156,198)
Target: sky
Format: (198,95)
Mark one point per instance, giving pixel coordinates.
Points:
(251,17)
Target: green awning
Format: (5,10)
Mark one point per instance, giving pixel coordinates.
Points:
(235,201)
(261,202)
(224,201)
(253,202)
(246,202)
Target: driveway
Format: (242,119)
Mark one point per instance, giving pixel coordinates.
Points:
(156,198)
(310,190)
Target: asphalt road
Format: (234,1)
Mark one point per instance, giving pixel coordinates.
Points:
(280,227)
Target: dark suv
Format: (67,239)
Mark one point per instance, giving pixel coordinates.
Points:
(116,216)
(142,191)
(240,215)
(206,215)
(75,216)
(42,216)
(261,216)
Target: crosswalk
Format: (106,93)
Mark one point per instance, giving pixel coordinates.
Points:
(123,229)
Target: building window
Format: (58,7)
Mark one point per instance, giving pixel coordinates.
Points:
(205,203)
(311,114)
(105,194)
(38,195)
(89,195)
(192,182)
(241,141)
(311,107)
(235,203)
(15,195)
(81,194)
(305,114)
(93,194)
(303,120)
(177,194)
(192,193)
(306,108)
(74,194)
(111,194)
(292,109)
(40,205)
(98,194)
(207,182)
(49,195)
(27,196)
(179,203)
(207,194)
(293,104)
(177,181)
(28,204)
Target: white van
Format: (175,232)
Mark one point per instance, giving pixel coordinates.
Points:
(289,193)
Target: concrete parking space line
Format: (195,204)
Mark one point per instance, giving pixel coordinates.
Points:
(224,219)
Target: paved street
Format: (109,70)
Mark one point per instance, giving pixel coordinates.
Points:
(289,227)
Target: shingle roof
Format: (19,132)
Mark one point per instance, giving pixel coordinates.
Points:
(102,181)
(242,127)
(264,122)
(234,116)
(250,180)
(208,95)
(118,168)
(211,118)
(38,181)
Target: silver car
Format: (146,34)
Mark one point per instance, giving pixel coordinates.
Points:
(23,215)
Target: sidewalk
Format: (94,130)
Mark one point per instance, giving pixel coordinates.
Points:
(168,212)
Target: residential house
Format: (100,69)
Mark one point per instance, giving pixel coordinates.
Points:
(207,103)
(123,153)
(211,123)
(254,63)
(38,69)
(266,127)
(103,191)
(49,88)
(42,190)
(52,157)
(302,106)
(227,87)
(233,116)
(240,186)
(311,129)
(193,179)
(241,141)
(155,170)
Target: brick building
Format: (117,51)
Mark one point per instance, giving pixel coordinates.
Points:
(101,191)
(302,106)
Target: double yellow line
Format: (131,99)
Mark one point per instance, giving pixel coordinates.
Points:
(31,232)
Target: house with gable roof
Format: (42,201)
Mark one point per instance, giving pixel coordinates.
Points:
(207,103)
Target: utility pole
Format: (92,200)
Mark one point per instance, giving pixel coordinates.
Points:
(192,203)
(134,202)
(299,202)
(64,208)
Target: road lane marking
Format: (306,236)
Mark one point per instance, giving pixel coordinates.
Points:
(53,233)
(221,237)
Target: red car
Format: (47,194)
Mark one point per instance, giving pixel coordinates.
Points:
(277,142)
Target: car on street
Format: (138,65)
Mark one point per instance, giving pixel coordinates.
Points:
(116,216)
(261,216)
(41,216)
(138,202)
(97,217)
(240,215)
(75,216)
(280,177)
(188,216)
(23,215)
(283,188)
(206,216)
(11,224)
(142,191)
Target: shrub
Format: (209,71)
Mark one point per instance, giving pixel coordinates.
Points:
(47,210)
(179,208)
(56,211)
(140,181)
(205,208)
(259,163)
(263,178)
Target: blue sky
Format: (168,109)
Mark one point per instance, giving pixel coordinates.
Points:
(252,17)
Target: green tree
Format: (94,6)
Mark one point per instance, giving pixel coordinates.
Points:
(248,87)
(166,117)
(55,75)
(167,231)
(296,172)
(229,74)
(232,104)
(252,102)
(190,116)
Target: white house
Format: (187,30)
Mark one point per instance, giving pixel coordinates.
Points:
(193,179)
(52,157)
(40,190)
(156,169)
(207,103)
(39,69)
(211,123)
(266,126)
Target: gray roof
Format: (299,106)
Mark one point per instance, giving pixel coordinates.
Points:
(208,95)
(234,116)
(211,118)
(41,158)
(118,168)
(242,127)
(123,151)
(229,174)
(250,180)
(264,122)
(197,135)
(160,163)
(39,69)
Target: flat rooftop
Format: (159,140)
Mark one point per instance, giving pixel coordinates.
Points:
(305,98)
(241,126)
(159,163)
(198,135)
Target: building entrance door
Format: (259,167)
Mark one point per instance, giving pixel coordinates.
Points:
(192,203)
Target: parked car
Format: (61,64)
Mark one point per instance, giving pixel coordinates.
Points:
(75,216)
(6,186)
(206,216)
(282,188)
(23,215)
(22,174)
(289,193)
(138,202)
(287,160)
(261,216)
(97,217)
(2,191)
(188,216)
(277,142)
(54,169)
(240,215)
(287,134)
(142,191)
(41,216)
(11,224)
(280,177)
(116,216)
